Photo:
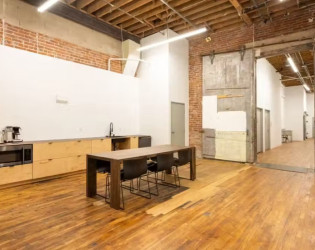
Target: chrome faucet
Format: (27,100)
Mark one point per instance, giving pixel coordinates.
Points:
(111,129)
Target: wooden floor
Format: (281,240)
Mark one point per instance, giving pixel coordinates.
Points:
(297,154)
(229,206)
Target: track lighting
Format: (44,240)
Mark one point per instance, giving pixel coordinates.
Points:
(173,39)
(46,5)
(292,64)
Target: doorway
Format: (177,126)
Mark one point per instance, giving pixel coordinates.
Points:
(178,124)
(286,100)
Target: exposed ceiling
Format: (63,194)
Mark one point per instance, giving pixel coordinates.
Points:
(145,17)
(304,60)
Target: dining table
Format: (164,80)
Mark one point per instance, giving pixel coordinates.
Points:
(115,158)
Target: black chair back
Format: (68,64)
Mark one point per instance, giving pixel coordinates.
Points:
(135,168)
(184,157)
(165,162)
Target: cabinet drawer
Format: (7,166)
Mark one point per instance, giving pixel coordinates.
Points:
(58,166)
(16,173)
(134,142)
(101,145)
(55,150)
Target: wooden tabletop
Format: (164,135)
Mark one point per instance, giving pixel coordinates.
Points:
(137,152)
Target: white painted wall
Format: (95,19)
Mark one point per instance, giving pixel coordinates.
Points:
(270,97)
(282,94)
(29,84)
(310,112)
(163,79)
(179,76)
(294,109)
(154,92)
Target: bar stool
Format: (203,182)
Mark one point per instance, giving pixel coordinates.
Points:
(184,157)
(164,162)
(132,169)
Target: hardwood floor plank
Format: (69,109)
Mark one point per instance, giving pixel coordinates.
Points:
(297,154)
(229,206)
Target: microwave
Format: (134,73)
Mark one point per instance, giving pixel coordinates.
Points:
(11,155)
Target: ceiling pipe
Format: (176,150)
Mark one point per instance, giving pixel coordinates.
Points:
(306,68)
(293,79)
(255,7)
(301,79)
(179,14)
(130,15)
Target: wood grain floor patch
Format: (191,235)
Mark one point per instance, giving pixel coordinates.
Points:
(232,206)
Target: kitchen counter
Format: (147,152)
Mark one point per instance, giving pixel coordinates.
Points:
(51,158)
(72,139)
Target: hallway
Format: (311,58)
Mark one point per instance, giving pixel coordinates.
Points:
(294,154)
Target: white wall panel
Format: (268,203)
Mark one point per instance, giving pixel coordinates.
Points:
(29,84)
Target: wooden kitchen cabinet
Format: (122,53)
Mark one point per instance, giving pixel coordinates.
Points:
(59,157)
(58,166)
(16,173)
(134,142)
(55,150)
(101,145)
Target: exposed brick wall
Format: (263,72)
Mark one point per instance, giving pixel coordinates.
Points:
(20,38)
(229,40)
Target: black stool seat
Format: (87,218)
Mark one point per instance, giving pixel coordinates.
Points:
(132,169)
(103,167)
(152,166)
(176,161)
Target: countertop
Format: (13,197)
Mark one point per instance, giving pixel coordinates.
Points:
(72,139)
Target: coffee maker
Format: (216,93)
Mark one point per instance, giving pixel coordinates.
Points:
(12,134)
(16,134)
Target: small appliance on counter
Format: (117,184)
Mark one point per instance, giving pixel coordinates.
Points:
(12,134)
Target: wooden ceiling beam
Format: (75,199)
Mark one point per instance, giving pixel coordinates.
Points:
(143,17)
(147,12)
(229,24)
(132,6)
(77,16)
(276,10)
(96,5)
(239,9)
(211,21)
(209,15)
(82,3)
(292,49)
(182,28)
(109,8)
(190,13)
(199,18)
(70,1)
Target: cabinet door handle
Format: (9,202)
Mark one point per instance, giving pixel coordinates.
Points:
(50,143)
(79,140)
(44,162)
